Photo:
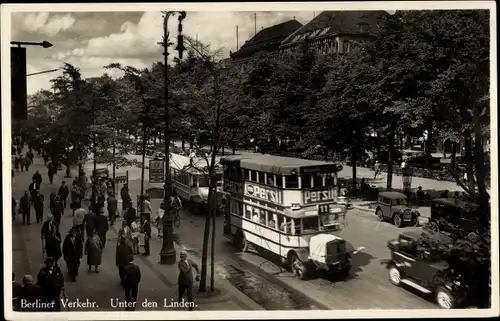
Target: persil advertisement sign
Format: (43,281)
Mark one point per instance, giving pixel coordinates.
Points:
(264,192)
(315,196)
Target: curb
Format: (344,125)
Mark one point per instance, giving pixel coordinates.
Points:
(363,208)
(279,281)
(227,291)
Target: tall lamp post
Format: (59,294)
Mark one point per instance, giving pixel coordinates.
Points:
(167,253)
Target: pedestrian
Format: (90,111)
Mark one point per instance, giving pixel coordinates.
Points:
(126,199)
(38,199)
(16,293)
(75,198)
(159,219)
(73,252)
(25,207)
(102,227)
(19,149)
(185,279)
(93,250)
(147,236)
(377,169)
(30,293)
(112,208)
(123,250)
(21,163)
(27,162)
(16,163)
(135,229)
(63,193)
(51,282)
(132,277)
(14,205)
(50,172)
(130,215)
(79,221)
(89,222)
(146,208)
(58,210)
(31,156)
(13,150)
(45,158)
(52,238)
(37,178)
(52,200)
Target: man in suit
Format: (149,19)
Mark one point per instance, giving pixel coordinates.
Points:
(34,186)
(51,281)
(112,209)
(185,280)
(25,207)
(102,227)
(73,252)
(30,292)
(132,277)
(52,239)
(37,179)
(63,193)
(16,293)
(38,205)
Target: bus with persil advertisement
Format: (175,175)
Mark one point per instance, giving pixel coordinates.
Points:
(288,207)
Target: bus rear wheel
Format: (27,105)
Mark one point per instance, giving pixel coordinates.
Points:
(241,242)
(297,267)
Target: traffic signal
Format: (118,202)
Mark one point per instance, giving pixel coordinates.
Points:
(19,97)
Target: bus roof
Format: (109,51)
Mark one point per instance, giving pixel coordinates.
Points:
(279,165)
(197,167)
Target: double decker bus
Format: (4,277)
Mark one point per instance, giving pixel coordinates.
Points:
(286,206)
(189,180)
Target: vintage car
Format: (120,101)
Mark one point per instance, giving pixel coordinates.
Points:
(419,267)
(454,216)
(393,206)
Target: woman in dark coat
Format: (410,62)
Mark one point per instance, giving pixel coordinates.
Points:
(52,241)
(123,250)
(93,250)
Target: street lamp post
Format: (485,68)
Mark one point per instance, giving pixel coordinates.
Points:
(167,253)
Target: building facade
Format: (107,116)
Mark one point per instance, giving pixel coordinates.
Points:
(267,42)
(335,31)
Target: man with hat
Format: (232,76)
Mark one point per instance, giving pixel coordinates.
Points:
(51,281)
(52,237)
(132,277)
(185,279)
(73,252)
(101,226)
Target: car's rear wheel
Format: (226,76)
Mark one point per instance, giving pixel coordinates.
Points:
(398,222)
(298,267)
(380,214)
(444,298)
(395,276)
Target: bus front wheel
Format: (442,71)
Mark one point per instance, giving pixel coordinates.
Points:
(297,267)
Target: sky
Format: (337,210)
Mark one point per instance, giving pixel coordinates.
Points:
(91,40)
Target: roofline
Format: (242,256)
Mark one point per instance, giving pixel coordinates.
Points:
(340,34)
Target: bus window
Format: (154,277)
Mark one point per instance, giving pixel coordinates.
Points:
(330,180)
(279,180)
(246,174)
(195,181)
(203,181)
(271,220)
(255,215)
(295,226)
(262,177)
(263,217)
(280,222)
(310,224)
(292,181)
(251,176)
(248,212)
(318,180)
(239,174)
(226,172)
(271,179)
(306,181)
(285,224)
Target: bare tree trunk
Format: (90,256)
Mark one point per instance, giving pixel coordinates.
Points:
(204,254)
(212,256)
(469,166)
(354,158)
(453,156)
(392,133)
(428,145)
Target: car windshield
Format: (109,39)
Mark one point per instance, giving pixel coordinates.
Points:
(400,201)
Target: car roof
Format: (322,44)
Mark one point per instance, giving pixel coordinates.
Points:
(456,203)
(392,194)
(414,235)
